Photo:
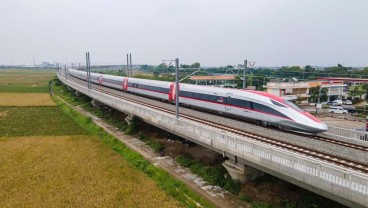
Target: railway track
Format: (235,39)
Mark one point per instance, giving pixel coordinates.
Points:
(353,165)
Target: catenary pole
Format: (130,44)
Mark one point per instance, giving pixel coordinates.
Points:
(244,78)
(131,66)
(127,66)
(177,89)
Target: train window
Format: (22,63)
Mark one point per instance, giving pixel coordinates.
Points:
(246,104)
(238,102)
(183,93)
(292,105)
(214,98)
(278,104)
(263,108)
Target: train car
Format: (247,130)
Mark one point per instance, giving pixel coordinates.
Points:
(96,78)
(115,82)
(151,88)
(253,105)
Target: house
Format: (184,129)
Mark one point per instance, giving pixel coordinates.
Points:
(294,90)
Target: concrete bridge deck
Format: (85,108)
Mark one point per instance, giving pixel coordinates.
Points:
(334,182)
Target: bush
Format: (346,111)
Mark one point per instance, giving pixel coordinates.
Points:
(217,175)
(156,146)
(325,106)
(357,100)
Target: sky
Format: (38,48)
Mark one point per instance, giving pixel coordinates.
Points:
(212,32)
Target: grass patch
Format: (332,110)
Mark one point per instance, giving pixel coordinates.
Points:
(25,81)
(171,186)
(217,175)
(68,94)
(73,171)
(26,99)
(29,121)
(156,146)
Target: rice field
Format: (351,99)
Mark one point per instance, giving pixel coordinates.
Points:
(72,171)
(26,99)
(25,81)
(30,121)
(50,156)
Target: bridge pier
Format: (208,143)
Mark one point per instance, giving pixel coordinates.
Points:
(69,88)
(241,173)
(129,118)
(96,104)
(78,94)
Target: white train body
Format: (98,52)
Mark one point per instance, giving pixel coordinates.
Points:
(247,104)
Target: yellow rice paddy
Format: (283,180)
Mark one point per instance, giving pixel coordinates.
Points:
(72,171)
(26,99)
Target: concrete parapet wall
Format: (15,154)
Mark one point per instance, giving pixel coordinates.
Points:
(342,185)
(348,135)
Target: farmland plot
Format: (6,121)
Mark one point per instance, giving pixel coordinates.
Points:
(28,121)
(26,99)
(50,156)
(72,171)
(25,81)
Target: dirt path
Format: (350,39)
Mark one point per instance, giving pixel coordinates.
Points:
(214,194)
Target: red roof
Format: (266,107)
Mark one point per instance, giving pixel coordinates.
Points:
(344,79)
(206,78)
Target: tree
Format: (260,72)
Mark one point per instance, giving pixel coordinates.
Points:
(195,65)
(184,66)
(250,79)
(357,91)
(308,68)
(318,94)
(161,67)
(365,88)
(291,68)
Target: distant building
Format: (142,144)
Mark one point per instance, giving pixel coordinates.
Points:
(294,90)
(46,65)
(348,81)
(221,80)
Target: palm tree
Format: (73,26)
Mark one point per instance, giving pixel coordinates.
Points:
(365,88)
(318,94)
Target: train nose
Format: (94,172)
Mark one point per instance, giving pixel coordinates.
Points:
(322,127)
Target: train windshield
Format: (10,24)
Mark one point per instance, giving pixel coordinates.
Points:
(293,106)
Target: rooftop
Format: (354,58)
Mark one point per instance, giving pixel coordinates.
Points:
(212,78)
(344,79)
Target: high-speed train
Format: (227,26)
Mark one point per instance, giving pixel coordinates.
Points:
(253,105)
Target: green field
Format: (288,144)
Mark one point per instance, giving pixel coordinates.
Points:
(25,81)
(30,121)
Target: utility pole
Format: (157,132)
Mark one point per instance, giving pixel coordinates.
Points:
(127,66)
(244,79)
(88,71)
(176,86)
(34,61)
(131,66)
(66,73)
(177,90)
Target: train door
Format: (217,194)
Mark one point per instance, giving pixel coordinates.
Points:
(100,79)
(125,84)
(228,101)
(172,92)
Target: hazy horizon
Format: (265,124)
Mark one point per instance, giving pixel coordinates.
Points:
(214,33)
